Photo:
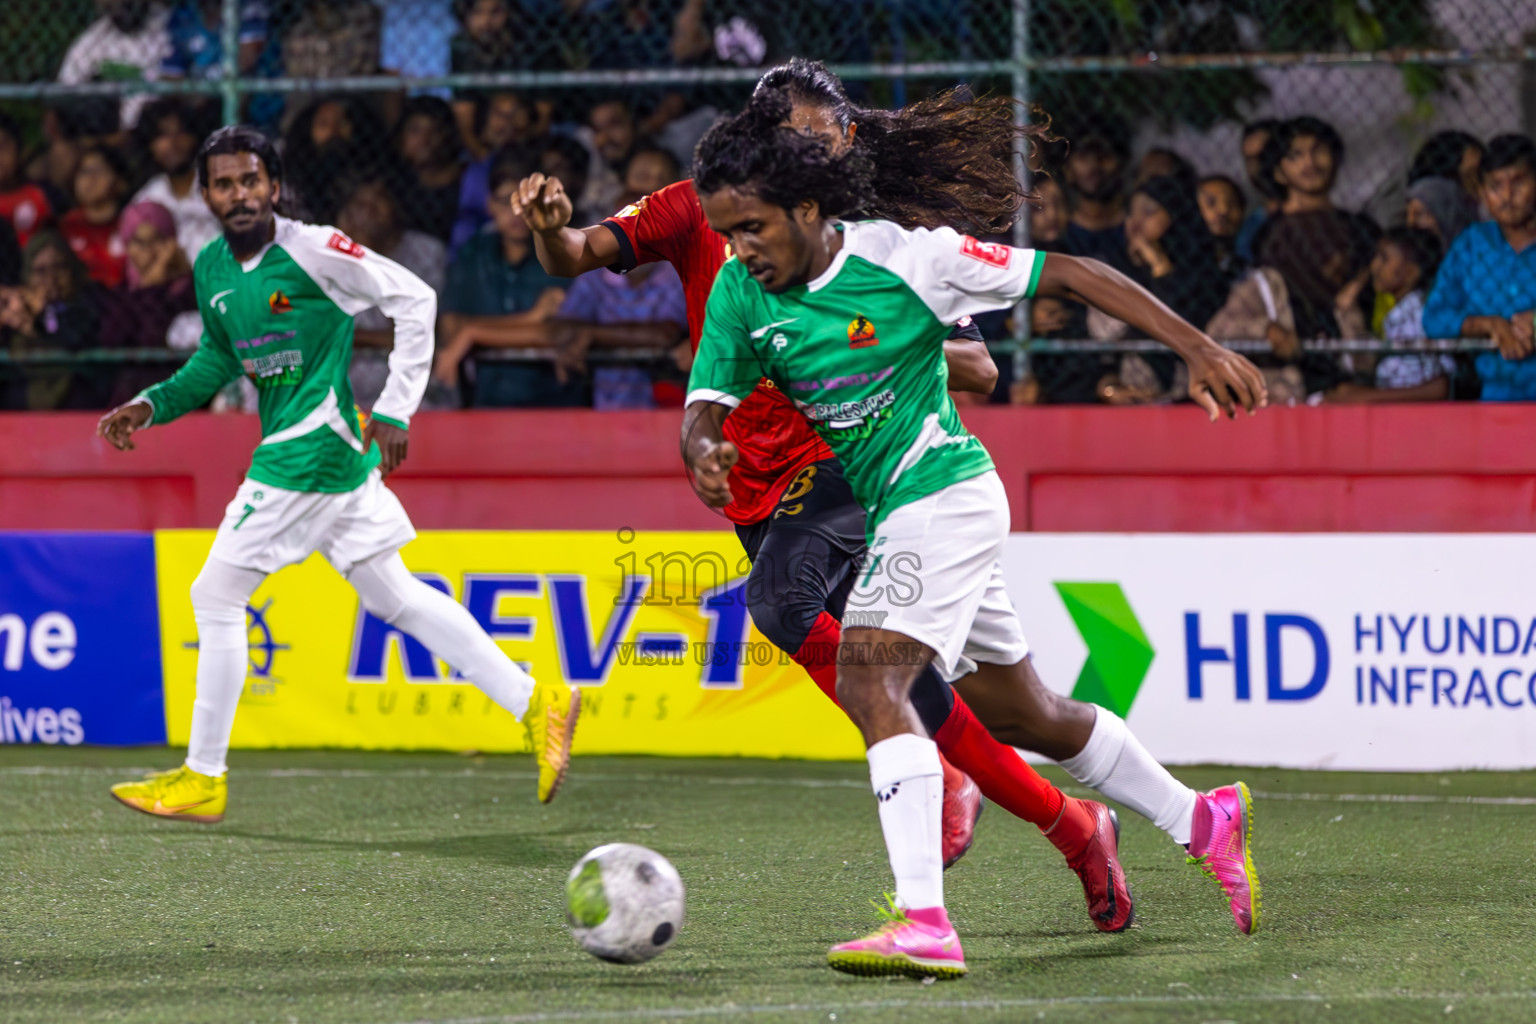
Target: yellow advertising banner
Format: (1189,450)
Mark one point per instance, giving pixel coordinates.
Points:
(653,627)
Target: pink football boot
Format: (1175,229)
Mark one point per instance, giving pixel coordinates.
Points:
(1220,844)
(926,947)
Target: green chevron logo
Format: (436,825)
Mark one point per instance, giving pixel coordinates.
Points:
(1119,653)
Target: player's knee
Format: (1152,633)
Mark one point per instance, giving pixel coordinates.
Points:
(216,600)
(382,603)
(382,588)
(785,623)
(865,689)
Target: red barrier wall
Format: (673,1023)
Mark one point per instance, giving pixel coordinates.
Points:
(1443,468)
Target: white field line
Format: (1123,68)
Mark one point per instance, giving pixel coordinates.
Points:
(466,773)
(579,777)
(1401,798)
(1449,999)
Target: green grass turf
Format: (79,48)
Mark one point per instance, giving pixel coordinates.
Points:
(389,888)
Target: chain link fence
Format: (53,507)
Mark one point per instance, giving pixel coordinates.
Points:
(1254,162)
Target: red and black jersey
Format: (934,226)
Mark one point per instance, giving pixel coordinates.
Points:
(97,245)
(774,440)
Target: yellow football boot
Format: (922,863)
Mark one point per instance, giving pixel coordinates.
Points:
(180,793)
(551,722)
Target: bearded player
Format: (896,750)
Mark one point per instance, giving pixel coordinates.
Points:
(781,309)
(277,299)
(793,508)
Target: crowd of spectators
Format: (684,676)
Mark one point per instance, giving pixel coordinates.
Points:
(1281,263)
(101,218)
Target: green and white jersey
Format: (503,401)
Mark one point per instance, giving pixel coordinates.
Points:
(860,351)
(283,318)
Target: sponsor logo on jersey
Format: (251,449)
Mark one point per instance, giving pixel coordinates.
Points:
(990,253)
(217,302)
(842,415)
(278,302)
(342,244)
(850,380)
(861,332)
(264,339)
(777,323)
(284,368)
(633,209)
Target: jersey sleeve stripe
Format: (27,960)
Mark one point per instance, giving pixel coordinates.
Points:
(397,424)
(1037,264)
(711,395)
(627,260)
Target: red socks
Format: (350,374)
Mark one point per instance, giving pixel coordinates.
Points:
(1005,778)
(1071,833)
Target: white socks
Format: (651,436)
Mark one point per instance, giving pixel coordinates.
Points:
(389,591)
(219,597)
(909,783)
(1116,764)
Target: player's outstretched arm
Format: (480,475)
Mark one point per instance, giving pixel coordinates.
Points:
(707,454)
(562,250)
(1219,380)
(190,387)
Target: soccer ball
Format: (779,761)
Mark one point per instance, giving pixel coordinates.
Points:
(624,903)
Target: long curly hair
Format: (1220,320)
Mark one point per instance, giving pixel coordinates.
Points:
(755,149)
(947,160)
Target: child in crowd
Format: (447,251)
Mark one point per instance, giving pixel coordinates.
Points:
(1223,206)
(101,182)
(1404,268)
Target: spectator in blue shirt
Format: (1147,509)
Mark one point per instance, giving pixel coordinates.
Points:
(197,50)
(1486,287)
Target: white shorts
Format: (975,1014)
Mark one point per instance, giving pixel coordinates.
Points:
(266,527)
(938,579)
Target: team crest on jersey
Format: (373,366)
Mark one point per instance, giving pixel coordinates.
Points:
(278,303)
(861,333)
(990,253)
(342,244)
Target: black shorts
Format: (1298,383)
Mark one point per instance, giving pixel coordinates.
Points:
(812,541)
(804,559)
